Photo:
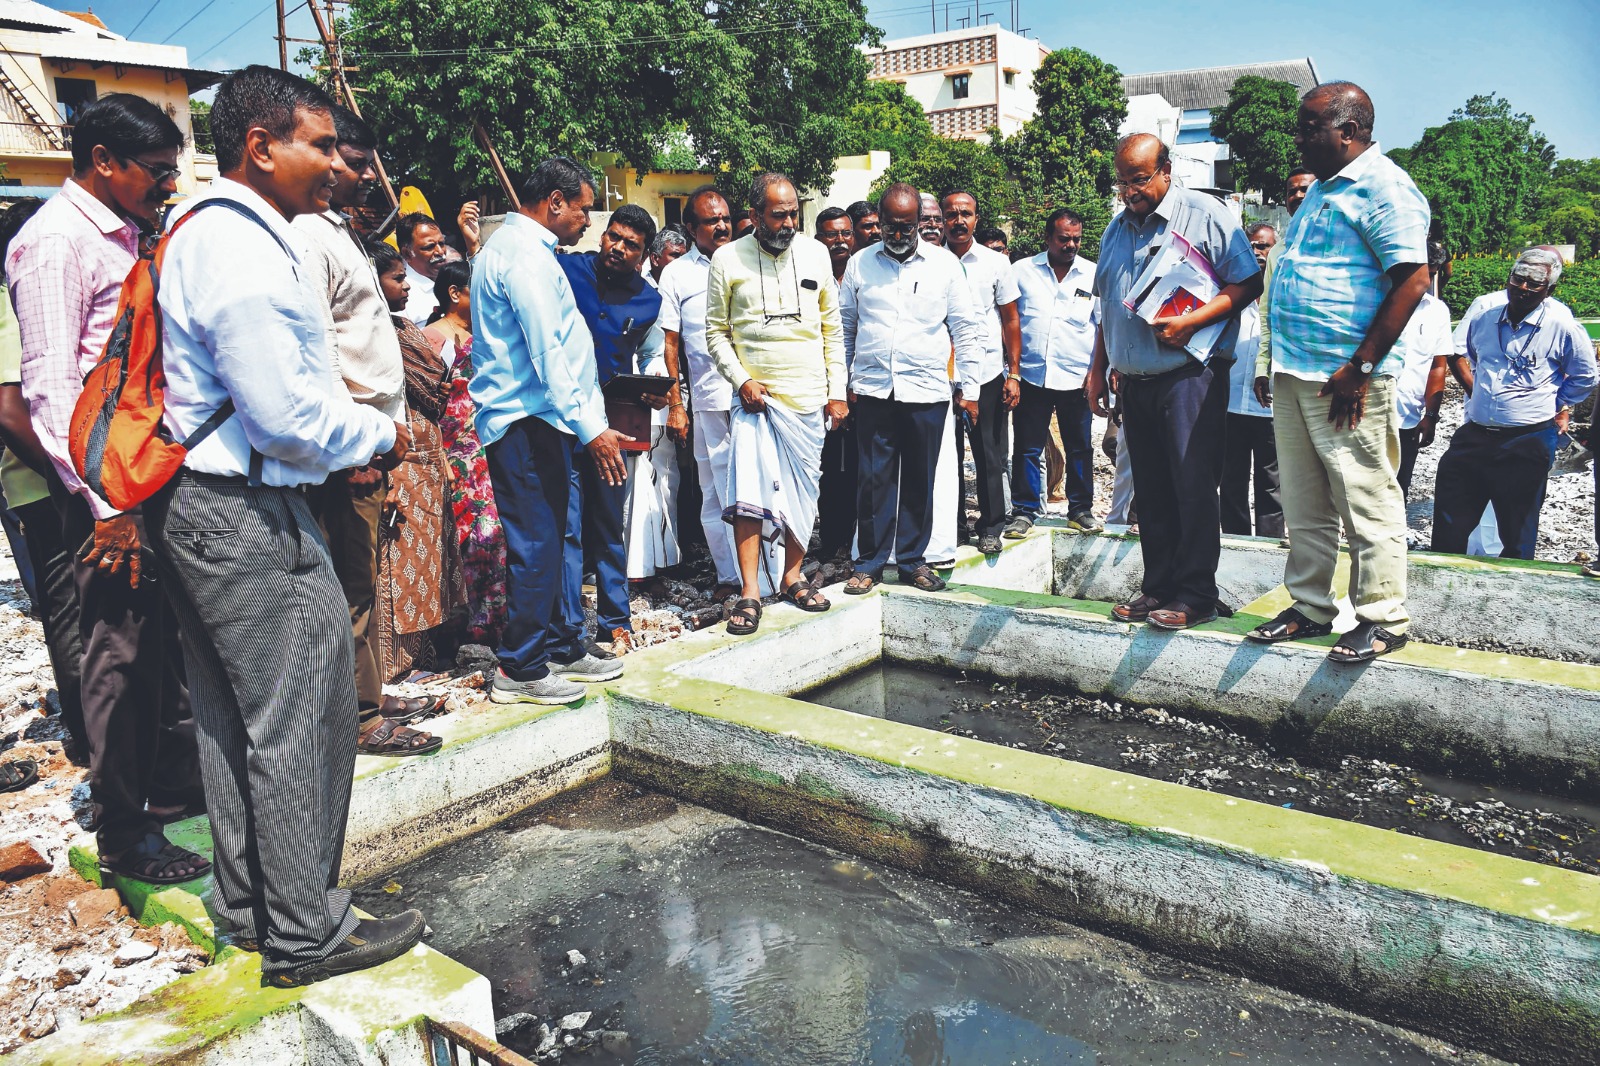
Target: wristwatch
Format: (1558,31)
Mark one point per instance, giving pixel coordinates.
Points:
(1364,368)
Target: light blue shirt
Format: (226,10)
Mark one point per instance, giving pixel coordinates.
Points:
(243,317)
(1331,274)
(1058,320)
(1203,220)
(532,354)
(1523,373)
(1242,378)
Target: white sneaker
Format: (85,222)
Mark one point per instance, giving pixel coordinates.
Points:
(590,668)
(551,690)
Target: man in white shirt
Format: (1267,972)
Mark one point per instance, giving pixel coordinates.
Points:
(349,504)
(903,302)
(1419,387)
(422,246)
(1059,313)
(266,632)
(1250,446)
(683,323)
(994,297)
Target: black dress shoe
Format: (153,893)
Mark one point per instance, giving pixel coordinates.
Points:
(373,941)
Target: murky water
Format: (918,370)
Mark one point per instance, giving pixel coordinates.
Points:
(709,940)
(1174,745)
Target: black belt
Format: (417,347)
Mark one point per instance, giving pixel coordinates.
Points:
(1514,431)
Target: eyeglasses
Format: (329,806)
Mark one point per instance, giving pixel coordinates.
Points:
(1526,283)
(1135,183)
(159,172)
(780,315)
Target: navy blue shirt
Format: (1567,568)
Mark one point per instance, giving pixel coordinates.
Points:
(621,319)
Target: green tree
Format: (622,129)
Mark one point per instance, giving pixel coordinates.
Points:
(1569,208)
(1258,124)
(752,84)
(887,119)
(941,164)
(1062,157)
(1483,171)
(200,125)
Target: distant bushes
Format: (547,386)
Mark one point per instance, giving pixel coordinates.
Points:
(1474,275)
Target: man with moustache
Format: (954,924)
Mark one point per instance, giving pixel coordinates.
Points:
(710,398)
(930,219)
(539,406)
(422,246)
(836,504)
(349,505)
(66,268)
(864,220)
(1174,406)
(772,324)
(999,384)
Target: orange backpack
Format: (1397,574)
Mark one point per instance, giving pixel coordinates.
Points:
(119,446)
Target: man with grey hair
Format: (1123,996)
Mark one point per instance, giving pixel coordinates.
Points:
(1524,362)
(666,246)
(772,327)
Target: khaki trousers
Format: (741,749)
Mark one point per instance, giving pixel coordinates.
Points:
(1329,476)
(350,527)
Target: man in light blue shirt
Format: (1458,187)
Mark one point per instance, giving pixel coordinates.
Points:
(1525,363)
(1059,313)
(1351,270)
(538,394)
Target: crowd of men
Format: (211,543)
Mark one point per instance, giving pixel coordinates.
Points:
(825,386)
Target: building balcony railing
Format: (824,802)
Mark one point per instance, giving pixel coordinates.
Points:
(31,137)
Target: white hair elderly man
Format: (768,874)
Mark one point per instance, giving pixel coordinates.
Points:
(1524,362)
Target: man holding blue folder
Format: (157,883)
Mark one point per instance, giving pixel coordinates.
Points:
(1175,404)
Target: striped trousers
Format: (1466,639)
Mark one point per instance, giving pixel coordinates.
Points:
(266,640)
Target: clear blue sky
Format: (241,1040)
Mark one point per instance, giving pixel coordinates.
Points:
(1420,59)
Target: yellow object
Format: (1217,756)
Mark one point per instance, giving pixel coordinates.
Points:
(411,199)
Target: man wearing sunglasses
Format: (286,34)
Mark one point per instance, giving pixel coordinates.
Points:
(66,268)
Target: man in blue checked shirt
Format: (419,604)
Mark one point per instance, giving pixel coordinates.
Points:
(1525,363)
(1352,269)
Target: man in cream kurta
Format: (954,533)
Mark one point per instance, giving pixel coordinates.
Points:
(773,330)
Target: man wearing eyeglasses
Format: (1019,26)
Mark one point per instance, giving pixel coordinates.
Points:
(66,268)
(1174,405)
(1525,363)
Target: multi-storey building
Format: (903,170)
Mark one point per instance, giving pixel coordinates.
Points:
(967,81)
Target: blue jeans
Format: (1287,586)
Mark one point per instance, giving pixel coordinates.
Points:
(605,548)
(536,485)
(1033,434)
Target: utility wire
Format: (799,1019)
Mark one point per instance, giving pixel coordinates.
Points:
(230,35)
(186,22)
(147,11)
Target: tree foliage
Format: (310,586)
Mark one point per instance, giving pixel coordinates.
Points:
(942,164)
(887,119)
(1258,124)
(1569,208)
(1473,275)
(753,84)
(1482,171)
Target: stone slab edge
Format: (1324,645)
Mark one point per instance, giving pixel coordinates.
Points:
(1479,948)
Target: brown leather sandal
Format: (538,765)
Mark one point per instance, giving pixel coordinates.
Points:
(393,740)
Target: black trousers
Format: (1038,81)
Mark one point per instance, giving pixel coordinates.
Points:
(58,610)
(897,450)
(836,499)
(1174,426)
(989,442)
(1506,467)
(1251,448)
(135,693)
(1408,458)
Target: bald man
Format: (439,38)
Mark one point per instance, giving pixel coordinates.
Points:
(1352,269)
(1174,405)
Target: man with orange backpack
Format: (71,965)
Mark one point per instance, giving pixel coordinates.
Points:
(66,268)
(246,350)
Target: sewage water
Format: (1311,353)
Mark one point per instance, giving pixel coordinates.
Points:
(710,940)
(1173,745)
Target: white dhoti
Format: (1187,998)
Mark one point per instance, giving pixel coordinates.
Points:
(650,515)
(774,471)
(713,447)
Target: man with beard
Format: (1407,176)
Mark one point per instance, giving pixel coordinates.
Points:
(422,246)
(998,388)
(1526,364)
(904,303)
(621,309)
(837,503)
(66,267)
(864,220)
(772,324)
(930,219)
(349,505)
(710,399)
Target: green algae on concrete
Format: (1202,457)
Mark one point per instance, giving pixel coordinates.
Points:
(184,904)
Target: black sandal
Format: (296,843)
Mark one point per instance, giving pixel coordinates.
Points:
(744,617)
(393,740)
(1289,625)
(807,597)
(155,861)
(18,774)
(860,584)
(1361,644)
